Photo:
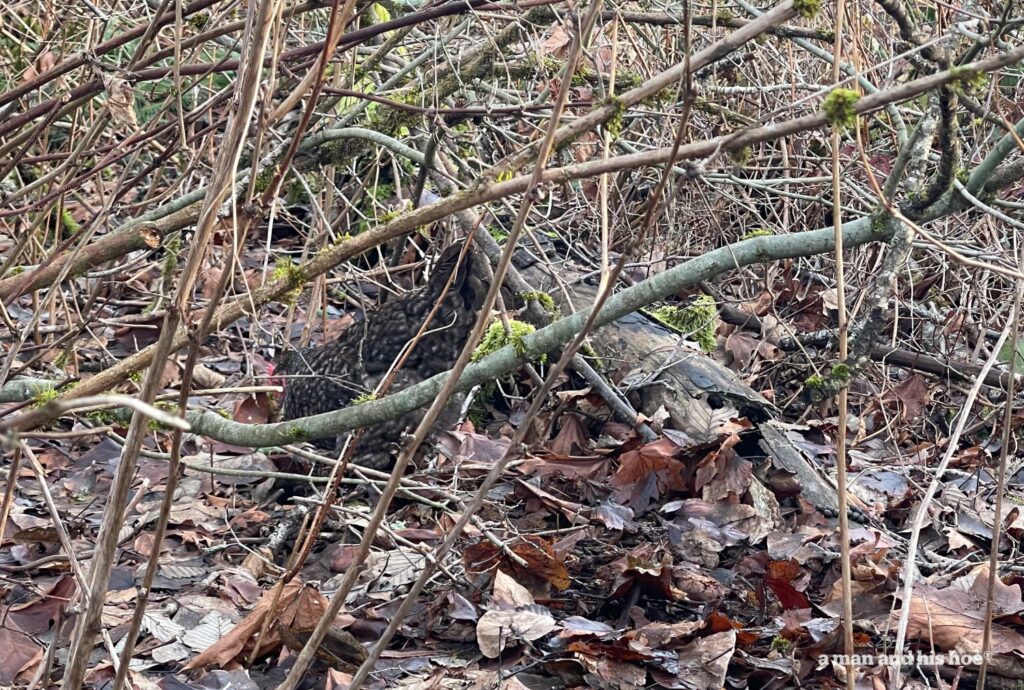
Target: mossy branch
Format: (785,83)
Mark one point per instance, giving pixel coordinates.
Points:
(544,340)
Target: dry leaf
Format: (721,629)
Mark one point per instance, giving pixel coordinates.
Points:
(121,101)
(497,628)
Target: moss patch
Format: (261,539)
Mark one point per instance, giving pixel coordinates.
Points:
(698,320)
(286,269)
(546,301)
(759,232)
(496,338)
(840,107)
(808,9)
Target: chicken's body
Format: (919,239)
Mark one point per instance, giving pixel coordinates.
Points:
(328,377)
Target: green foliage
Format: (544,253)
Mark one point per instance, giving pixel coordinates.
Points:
(389,216)
(477,413)
(101,417)
(741,156)
(380,13)
(614,124)
(968,82)
(44,396)
(841,373)
(1006,352)
(815,382)
(588,352)
(496,338)
(264,178)
(286,269)
(840,107)
(698,320)
(808,9)
(172,250)
(168,407)
(364,398)
(546,301)
(759,232)
(68,222)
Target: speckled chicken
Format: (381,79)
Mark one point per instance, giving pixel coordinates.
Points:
(328,377)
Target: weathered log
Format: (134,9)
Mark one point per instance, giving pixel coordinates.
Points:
(697,391)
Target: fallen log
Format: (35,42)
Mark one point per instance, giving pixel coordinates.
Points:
(696,390)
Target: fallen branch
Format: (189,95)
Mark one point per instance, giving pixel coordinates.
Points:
(545,340)
(897,357)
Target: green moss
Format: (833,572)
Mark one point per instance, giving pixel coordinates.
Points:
(338,239)
(295,434)
(759,232)
(588,351)
(297,193)
(172,249)
(967,82)
(808,9)
(840,107)
(286,269)
(477,413)
(614,124)
(698,320)
(496,338)
(135,377)
(550,64)
(68,222)
(101,417)
(815,381)
(44,396)
(167,406)
(781,644)
(364,398)
(841,372)
(581,77)
(17,270)
(878,221)
(263,179)
(544,299)
(741,156)
(388,216)
(381,192)
(725,15)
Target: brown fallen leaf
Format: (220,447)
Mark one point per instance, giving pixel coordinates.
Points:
(21,653)
(541,560)
(953,619)
(298,608)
